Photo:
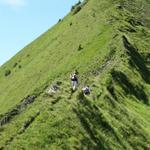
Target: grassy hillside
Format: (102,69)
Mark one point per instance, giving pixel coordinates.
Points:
(108,43)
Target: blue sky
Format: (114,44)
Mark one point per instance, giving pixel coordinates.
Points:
(21,21)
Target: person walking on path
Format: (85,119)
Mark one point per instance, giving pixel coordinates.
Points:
(74,80)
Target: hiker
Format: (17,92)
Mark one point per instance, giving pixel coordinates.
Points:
(74,80)
(86,90)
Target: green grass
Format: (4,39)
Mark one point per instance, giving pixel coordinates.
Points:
(114,61)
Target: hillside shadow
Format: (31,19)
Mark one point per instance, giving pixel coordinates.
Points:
(129,87)
(137,60)
(112,91)
(95,123)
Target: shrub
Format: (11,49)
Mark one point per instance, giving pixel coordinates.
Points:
(78,6)
(74,6)
(80,47)
(15,64)
(28,55)
(94,15)
(76,10)
(70,23)
(7,72)
(59,20)
(20,67)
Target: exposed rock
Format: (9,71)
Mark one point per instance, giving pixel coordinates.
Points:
(15,111)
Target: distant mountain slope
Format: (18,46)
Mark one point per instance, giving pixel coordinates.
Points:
(108,43)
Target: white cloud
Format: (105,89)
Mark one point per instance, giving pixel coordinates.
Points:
(13,3)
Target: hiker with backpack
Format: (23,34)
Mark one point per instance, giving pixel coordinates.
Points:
(74,80)
(86,90)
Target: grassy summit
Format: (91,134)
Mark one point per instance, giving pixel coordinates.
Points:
(108,43)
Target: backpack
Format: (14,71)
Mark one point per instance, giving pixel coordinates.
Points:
(86,90)
(74,77)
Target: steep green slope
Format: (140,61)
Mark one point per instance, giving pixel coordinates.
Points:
(108,42)
(55,53)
